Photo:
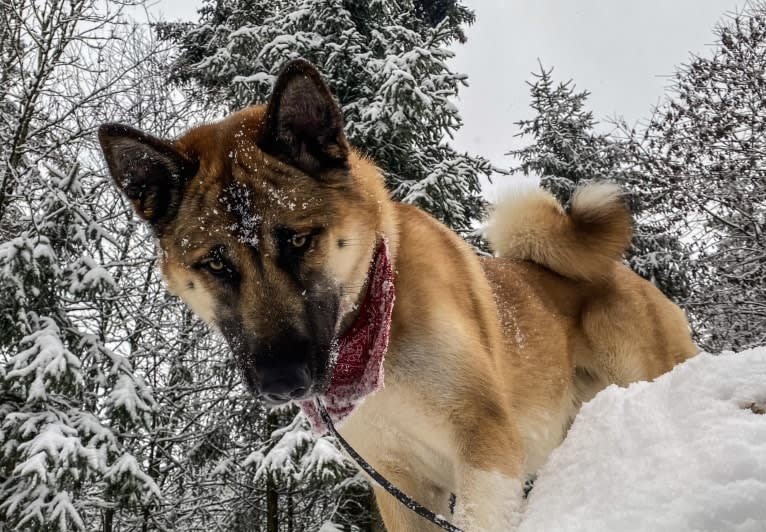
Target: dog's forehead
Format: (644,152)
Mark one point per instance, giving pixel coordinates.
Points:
(253,203)
(245,211)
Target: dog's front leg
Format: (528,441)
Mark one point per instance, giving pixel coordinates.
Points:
(490,489)
(490,501)
(399,518)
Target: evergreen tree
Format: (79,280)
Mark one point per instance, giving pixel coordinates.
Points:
(705,146)
(65,395)
(385,61)
(566,151)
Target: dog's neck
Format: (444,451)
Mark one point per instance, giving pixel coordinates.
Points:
(363,341)
(358,369)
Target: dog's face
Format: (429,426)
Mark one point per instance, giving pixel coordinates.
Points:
(265,228)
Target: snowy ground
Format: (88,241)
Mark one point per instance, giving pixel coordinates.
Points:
(683,453)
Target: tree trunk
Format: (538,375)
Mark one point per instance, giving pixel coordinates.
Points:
(108,518)
(272,497)
(290,511)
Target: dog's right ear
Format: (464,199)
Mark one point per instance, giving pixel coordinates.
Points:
(304,123)
(148,170)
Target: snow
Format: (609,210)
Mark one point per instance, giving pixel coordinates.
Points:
(685,452)
(36,465)
(331,527)
(124,395)
(281,456)
(45,355)
(59,444)
(64,512)
(324,457)
(258,77)
(93,276)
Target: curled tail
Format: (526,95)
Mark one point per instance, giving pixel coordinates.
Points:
(582,244)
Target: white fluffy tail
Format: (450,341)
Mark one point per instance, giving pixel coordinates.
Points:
(582,244)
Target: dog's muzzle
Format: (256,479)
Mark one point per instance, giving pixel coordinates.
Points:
(280,385)
(280,370)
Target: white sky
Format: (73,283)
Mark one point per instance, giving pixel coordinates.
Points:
(622,51)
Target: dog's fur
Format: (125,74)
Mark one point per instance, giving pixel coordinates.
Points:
(489,359)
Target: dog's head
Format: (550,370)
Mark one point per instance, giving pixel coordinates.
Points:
(266,221)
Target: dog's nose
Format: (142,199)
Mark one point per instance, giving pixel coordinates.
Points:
(282,383)
(280,369)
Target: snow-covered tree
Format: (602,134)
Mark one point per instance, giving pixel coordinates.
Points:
(567,150)
(66,395)
(385,61)
(707,145)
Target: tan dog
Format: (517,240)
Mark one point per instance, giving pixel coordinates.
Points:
(268,222)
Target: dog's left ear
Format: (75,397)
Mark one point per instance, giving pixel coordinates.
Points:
(304,124)
(151,172)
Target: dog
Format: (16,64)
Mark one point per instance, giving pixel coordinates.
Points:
(451,373)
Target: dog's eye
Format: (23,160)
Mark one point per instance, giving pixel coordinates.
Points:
(300,241)
(215,266)
(294,245)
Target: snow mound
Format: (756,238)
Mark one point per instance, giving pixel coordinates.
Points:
(686,452)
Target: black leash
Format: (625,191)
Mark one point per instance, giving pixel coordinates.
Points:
(402,497)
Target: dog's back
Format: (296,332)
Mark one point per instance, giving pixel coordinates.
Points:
(564,294)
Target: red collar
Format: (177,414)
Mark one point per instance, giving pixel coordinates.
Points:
(358,369)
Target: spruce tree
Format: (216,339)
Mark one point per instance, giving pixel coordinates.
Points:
(567,151)
(385,61)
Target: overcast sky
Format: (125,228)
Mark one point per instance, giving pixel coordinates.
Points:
(622,51)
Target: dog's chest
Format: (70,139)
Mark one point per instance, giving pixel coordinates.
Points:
(394,430)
